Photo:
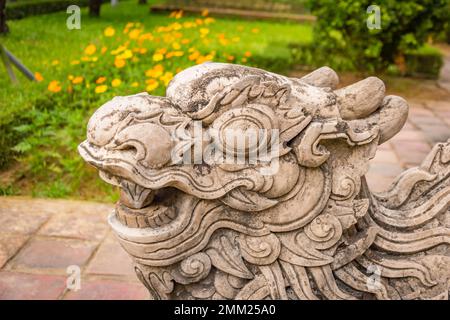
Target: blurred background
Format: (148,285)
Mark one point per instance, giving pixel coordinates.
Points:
(125,47)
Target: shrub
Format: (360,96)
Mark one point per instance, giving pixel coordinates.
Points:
(22,9)
(341,33)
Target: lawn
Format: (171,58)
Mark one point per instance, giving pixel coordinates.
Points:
(125,51)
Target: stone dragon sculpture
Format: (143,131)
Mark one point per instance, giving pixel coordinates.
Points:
(300,223)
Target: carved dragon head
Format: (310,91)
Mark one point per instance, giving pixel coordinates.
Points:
(181,211)
(137,142)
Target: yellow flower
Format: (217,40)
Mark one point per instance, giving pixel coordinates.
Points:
(158,57)
(236,39)
(152,84)
(155,72)
(135,84)
(209,20)
(70,77)
(118,50)
(255,30)
(129,25)
(134,34)
(101,89)
(90,49)
(55,62)
(109,32)
(100,80)
(116,82)
(244,60)
(77,80)
(176,46)
(119,63)
(74,62)
(54,86)
(204,32)
(38,77)
(125,55)
(166,77)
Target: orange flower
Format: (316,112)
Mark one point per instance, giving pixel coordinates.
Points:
(205,12)
(101,89)
(230,58)
(104,50)
(38,77)
(194,56)
(119,63)
(116,82)
(109,32)
(255,30)
(54,86)
(90,49)
(155,72)
(77,80)
(74,62)
(100,80)
(248,54)
(134,34)
(152,84)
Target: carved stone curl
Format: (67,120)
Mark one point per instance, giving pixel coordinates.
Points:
(290,216)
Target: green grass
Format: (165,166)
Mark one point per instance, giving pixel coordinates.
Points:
(44,128)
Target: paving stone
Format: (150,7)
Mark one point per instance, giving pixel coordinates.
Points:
(22,286)
(436,133)
(111,259)
(43,253)
(437,105)
(82,226)
(385,170)
(410,135)
(377,183)
(13,221)
(108,290)
(9,245)
(385,156)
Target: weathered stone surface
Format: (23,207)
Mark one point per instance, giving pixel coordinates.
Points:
(287,215)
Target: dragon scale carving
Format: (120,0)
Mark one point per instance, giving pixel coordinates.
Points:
(299,223)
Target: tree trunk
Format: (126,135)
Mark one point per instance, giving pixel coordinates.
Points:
(142,2)
(3,26)
(94,7)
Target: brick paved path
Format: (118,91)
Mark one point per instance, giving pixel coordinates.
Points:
(39,239)
(428,123)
